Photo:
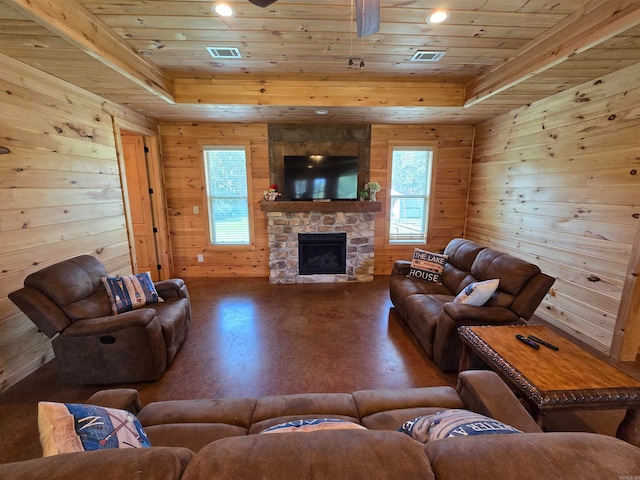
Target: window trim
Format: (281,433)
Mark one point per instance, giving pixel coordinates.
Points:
(391,144)
(204,213)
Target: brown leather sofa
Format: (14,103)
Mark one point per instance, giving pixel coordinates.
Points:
(69,303)
(219,439)
(428,309)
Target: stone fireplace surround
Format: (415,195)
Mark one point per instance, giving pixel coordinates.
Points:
(285,220)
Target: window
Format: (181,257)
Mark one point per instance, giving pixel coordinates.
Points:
(227,194)
(410,192)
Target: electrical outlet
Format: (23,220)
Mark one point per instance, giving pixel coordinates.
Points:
(200,257)
(196,210)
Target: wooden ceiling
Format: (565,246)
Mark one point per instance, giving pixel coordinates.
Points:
(151,56)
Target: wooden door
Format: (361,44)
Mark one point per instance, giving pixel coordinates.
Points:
(140,204)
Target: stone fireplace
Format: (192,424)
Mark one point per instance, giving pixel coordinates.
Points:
(286,220)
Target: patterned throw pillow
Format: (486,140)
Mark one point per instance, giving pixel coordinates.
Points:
(427,266)
(453,423)
(73,427)
(477,293)
(130,291)
(314,424)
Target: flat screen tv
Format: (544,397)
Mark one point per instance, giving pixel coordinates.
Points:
(320,177)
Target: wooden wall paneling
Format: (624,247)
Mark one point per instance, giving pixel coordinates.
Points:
(185,188)
(626,336)
(60,195)
(453,164)
(556,183)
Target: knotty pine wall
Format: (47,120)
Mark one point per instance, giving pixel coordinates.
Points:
(453,145)
(557,183)
(185,189)
(60,195)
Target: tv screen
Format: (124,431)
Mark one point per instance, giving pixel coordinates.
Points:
(320,177)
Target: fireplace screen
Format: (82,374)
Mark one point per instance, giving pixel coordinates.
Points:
(320,253)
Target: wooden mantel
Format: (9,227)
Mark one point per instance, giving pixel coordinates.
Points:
(310,206)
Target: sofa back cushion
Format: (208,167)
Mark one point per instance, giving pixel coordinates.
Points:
(534,456)
(333,454)
(156,463)
(74,285)
(512,272)
(461,255)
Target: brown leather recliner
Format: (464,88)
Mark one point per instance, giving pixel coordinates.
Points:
(68,302)
(428,309)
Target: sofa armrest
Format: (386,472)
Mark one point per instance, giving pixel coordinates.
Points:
(172,288)
(120,398)
(401,267)
(473,315)
(112,323)
(484,392)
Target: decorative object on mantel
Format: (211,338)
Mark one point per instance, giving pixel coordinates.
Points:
(363,194)
(272,194)
(372,188)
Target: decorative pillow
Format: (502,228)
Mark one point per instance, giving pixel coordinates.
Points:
(73,427)
(477,293)
(314,424)
(130,292)
(427,266)
(453,423)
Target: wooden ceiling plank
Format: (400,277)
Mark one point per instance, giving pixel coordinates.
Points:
(585,28)
(75,24)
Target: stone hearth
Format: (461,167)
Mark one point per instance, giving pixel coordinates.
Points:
(284,227)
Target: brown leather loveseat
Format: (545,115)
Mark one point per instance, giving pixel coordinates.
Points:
(69,303)
(428,308)
(220,439)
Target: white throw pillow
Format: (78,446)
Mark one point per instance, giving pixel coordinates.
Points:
(477,293)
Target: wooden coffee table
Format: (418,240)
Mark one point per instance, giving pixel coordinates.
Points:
(570,378)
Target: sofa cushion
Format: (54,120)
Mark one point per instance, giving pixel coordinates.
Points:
(313,425)
(230,411)
(336,454)
(513,272)
(193,436)
(272,410)
(156,463)
(129,292)
(534,456)
(453,423)
(72,427)
(477,293)
(427,266)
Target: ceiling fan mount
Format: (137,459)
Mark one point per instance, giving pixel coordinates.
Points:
(367,14)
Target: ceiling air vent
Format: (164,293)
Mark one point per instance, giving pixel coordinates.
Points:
(426,56)
(224,52)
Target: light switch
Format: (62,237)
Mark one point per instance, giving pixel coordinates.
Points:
(196,210)
(200,257)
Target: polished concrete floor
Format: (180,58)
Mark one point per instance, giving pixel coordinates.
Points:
(250,338)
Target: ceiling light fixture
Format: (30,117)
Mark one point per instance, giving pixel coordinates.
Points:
(321,112)
(438,16)
(223,9)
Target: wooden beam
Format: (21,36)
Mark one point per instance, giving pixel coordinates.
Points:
(237,90)
(588,26)
(626,336)
(75,24)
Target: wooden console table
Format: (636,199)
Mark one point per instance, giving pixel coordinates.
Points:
(569,378)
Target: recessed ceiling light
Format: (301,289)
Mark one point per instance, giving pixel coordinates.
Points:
(438,16)
(321,112)
(224,10)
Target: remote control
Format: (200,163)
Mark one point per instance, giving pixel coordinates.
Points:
(529,342)
(542,342)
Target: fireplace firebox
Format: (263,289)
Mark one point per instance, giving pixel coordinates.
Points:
(322,253)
